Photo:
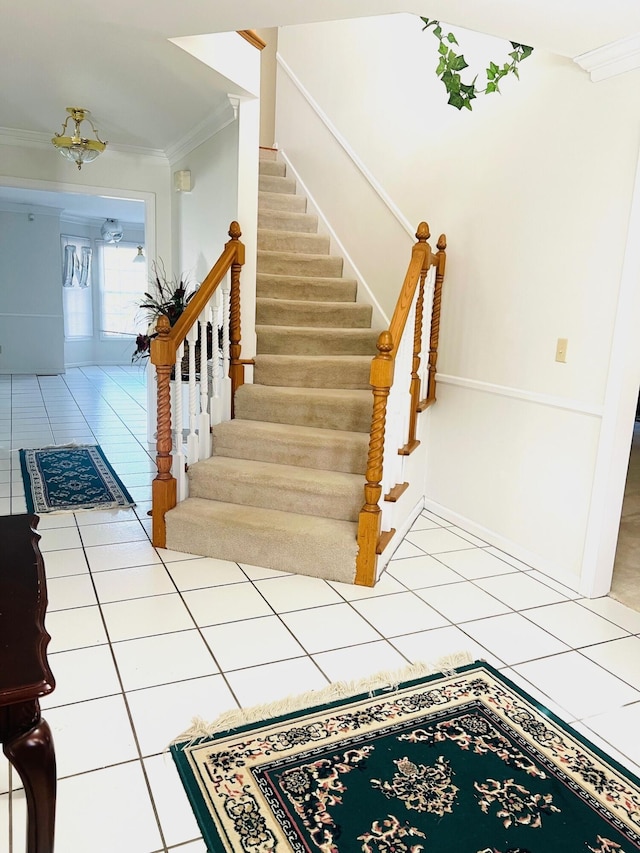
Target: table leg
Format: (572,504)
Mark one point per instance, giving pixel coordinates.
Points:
(28,744)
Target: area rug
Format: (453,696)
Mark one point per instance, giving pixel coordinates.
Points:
(68,478)
(459,762)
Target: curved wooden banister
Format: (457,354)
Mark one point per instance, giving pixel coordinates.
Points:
(381,379)
(163,355)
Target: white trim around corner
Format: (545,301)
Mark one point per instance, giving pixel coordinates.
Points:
(357,162)
(520,394)
(612,59)
(199,134)
(33,139)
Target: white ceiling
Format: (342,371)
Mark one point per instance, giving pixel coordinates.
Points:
(115,57)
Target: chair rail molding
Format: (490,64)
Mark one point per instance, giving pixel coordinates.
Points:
(612,59)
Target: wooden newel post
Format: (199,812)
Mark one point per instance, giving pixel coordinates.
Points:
(369,518)
(441,262)
(422,235)
(163,488)
(236,367)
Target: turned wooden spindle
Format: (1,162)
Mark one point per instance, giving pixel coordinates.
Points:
(369,518)
(236,366)
(164,485)
(422,235)
(441,263)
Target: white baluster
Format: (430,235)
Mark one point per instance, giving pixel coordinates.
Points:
(226,381)
(192,438)
(204,421)
(215,400)
(179,459)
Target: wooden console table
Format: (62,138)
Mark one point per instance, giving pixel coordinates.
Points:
(25,675)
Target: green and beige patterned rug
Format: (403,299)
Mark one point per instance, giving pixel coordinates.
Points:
(458,762)
(69,478)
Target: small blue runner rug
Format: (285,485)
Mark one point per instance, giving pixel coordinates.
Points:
(71,478)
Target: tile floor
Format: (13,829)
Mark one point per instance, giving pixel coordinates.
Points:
(144,639)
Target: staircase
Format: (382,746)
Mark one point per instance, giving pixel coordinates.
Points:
(284,485)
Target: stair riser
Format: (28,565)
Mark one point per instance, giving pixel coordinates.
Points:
(272,167)
(326,549)
(340,455)
(342,505)
(278,312)
(285,220)
(281,201)
(353,415)
(268,153)
(293,241)
(278,340)
(281,263)
(300,373)
(306,289)
(276,184)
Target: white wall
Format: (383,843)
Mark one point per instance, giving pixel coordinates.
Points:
(533,189)
(31,326)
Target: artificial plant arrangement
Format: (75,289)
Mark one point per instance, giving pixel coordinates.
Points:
(169,298)
(452,63)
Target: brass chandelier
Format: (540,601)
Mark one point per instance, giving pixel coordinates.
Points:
(77,148)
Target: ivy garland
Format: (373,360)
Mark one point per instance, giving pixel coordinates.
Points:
(452,63)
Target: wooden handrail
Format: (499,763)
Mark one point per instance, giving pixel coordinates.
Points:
(163,356)
(253,38)
(381,379)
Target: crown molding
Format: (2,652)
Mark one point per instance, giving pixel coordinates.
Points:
(612,59)
(214,123)
(97,221)
(26,208)
(34,139)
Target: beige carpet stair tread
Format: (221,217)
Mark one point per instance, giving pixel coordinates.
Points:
(313,340)
(276,184)
(284,541)
(298,263)
(272,167)
(287,220)
(294,312)
(326,408)
(333,450)
(266,153)
(313,371)
(292,241)
(306,288)
(308,491)
(281,201)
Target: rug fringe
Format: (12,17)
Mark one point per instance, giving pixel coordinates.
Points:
(387,680)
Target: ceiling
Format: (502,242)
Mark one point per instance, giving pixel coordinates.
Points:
(116,59)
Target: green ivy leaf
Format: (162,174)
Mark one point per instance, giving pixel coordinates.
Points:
(443,50)
(459,64)
(451,38)
(491,87)
(456,100)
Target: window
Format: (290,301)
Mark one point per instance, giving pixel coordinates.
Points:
(77,305)
(123,284)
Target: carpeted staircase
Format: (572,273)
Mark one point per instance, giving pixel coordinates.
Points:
(285,484)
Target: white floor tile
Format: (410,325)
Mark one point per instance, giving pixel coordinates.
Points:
(333,627)
(475,540)
(81,674)
(461,602)
(620,657)
(406,549)
(174,810)
(575,625)
(385,586)
(520,591)
(476,563)
(439,644)
(401,613)
(422,571)
(161,714)
(121,556)
(202,572)
(437,541)
(356,662)
(63,563)
(109,534)
(75,629)
(513,638)
(72,591)
(273,682)
(225,604)
(422,522)
(618,729)
(194,847)
(90,517)
(49,520)
(616,612)
(502,555)
(163,659)
(113,742)
(578,685)
(137,582)
(143,617)
(294,592)
(251,642)
(111,807)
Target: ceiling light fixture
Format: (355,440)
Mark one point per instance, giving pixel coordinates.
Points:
(139,258)
(77,148)
(111,231)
